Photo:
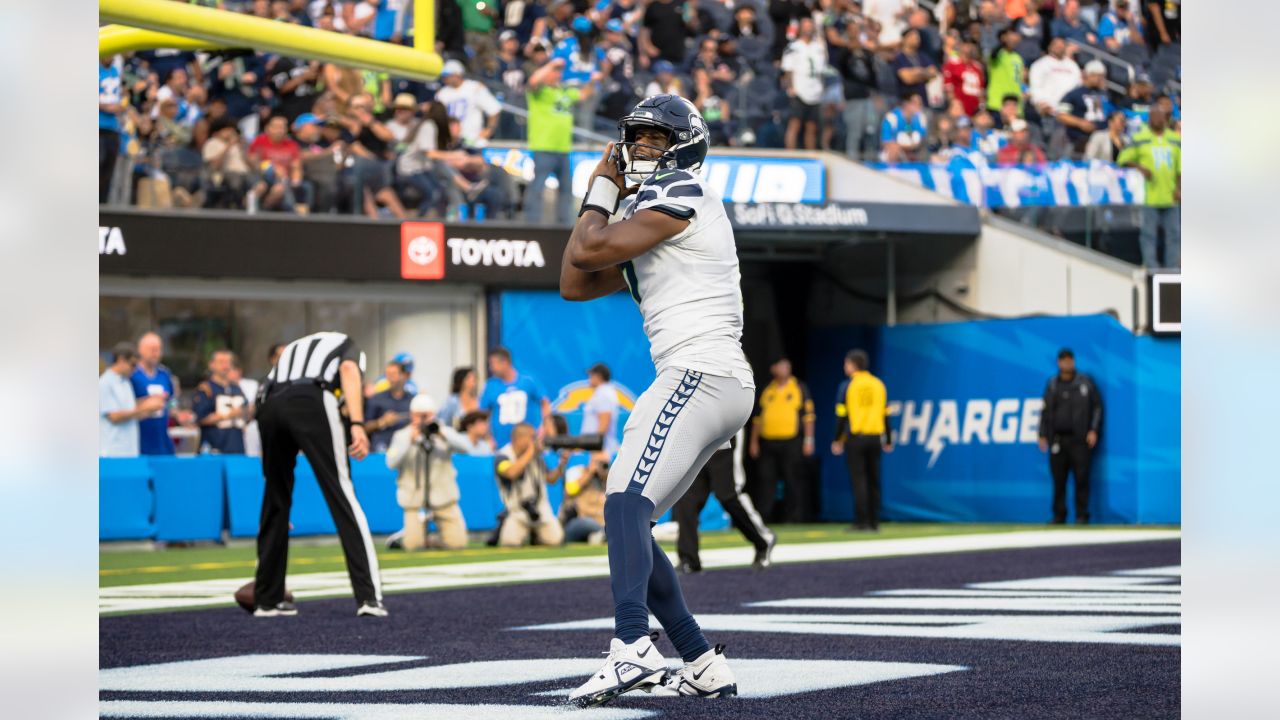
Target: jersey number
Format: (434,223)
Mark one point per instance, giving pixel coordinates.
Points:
(512,407)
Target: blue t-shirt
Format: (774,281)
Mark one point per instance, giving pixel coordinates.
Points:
(1112,26)
(576,70)
(1078,33)
(153,431)
(109,91)
(898,128)
(1087,104)
(227,436)
(381,404)
(510,404)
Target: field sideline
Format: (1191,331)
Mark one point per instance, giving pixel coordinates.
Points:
(127,564)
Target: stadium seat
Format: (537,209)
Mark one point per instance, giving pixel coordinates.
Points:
(126,503)
(376,490)
(244,494)
(189,497)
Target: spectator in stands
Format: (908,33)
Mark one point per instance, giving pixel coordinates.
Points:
(891,15)
(1033,37)
(1156,152)
(988,31)
(1005,70)
(1084,110)
(478,22)
(463,396)
(512,398)
(173,160)
(370,144)
(226,163)
(803,65)
(1117,27)
(600,412)
(342,84)
(1137,104)
(663,33)
(1105,144)
(964,78)
(152,379)
(319,158)
(1166,103)
(388,411)
(1071,28)
(664,80)
(236,78)
(510,65)
(421,452)
(118,408)
(986,138)
(428,166)
(221,408)
(522,482)
(469,102)
(110,107)
(404,115)
(940,139)
(912,67)
(1053,76)
(584,60)
(1162,20)
(475,427)
(930,38)
(903,131)
(582,512)
(1020,150)
(281,161)
(550,140)
(619,84)
(858,74)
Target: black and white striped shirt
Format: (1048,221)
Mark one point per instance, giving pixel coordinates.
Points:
(315,357)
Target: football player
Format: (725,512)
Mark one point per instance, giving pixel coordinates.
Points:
(673,249)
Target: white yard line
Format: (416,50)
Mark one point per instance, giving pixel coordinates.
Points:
(218,593)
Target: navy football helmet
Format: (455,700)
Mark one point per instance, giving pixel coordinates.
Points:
(687,137)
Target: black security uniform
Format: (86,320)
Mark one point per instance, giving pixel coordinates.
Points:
(298,410)
(1072,409)
(723,476)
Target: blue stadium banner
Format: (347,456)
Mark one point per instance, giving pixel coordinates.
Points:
(737,178)
(965,401)
(1063,183)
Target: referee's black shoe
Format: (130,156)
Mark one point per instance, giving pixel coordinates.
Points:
(371,608)
(764,555)
(284,609)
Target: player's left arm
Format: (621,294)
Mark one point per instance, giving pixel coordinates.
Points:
(595,244)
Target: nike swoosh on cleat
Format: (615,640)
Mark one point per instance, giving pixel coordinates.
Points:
(646,652)
(698,675)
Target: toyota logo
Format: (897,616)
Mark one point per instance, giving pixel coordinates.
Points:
(422,251)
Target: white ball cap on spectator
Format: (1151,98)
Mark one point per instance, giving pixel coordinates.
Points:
(1095,67)
(422,403)
(452,67)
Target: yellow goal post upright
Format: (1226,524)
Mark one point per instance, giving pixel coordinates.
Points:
(150,24)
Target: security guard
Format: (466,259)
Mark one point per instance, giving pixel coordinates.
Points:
(861,434)
(298,410)
(1069,426)
(784,407)
(722,475)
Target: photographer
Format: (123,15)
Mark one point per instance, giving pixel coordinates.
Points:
(522,483)
(422,453)
(583,510)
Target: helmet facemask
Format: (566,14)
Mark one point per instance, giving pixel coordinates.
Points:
(638,169)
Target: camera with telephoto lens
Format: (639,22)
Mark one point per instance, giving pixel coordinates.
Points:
(590,443)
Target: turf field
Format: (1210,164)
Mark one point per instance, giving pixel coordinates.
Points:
(918,622)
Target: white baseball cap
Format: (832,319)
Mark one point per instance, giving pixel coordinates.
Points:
(452,67)
(422,403)
(1095,67)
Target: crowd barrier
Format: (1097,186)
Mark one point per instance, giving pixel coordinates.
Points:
(185,499)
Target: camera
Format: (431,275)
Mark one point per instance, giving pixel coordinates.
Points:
(531,508)
(429,429)
(575,442)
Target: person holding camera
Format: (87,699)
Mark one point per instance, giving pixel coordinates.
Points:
(583,509)
(422,453)
(522,482)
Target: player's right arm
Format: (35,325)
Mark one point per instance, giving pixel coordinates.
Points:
(353,396)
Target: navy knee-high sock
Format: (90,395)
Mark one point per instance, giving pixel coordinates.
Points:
(667,603)
(627,520)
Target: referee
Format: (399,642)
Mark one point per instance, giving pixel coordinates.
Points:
(861,433)
(722,475)
(299,411)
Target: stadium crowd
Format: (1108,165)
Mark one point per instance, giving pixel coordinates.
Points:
(989,81)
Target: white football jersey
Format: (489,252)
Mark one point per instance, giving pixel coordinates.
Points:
(688,287)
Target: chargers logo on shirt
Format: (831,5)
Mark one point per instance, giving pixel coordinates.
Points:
(421,251)
(576,394)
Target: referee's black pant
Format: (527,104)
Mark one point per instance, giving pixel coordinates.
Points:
(1070,454)
(303,417)
(716,477)
(783,459)
(862,457)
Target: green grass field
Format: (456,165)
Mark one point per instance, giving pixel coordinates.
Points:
(128,565)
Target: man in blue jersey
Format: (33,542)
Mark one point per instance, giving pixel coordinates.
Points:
(152,379)
(109,109)
(221,408)
(512,398)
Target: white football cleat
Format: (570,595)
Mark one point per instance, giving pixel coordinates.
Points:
(709,676)
(637,666)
